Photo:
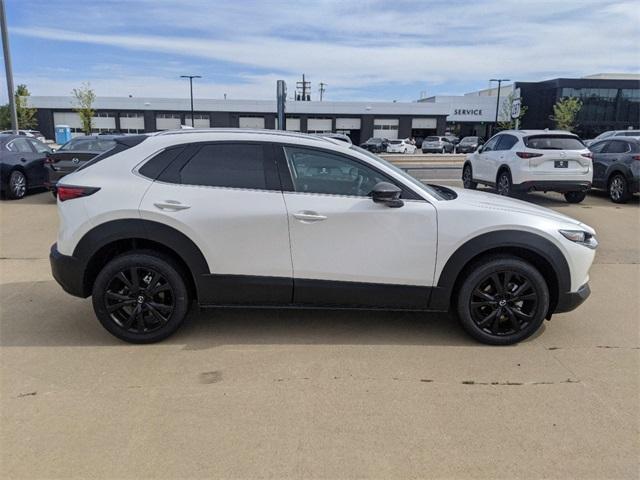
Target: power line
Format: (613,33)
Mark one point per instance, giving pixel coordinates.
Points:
(301,90)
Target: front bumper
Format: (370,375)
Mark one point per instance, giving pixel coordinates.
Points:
(68,272)
(553,186)
(572,300)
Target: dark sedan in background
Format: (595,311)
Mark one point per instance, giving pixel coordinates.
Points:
(375,145)
(616,167)
(74,154)
(21,164)
(469,144)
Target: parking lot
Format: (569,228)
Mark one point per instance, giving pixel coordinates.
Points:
(320,394)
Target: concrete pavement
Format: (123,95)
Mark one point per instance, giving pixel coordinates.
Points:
(293,394)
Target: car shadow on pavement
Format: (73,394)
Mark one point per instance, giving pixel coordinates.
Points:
(41,314)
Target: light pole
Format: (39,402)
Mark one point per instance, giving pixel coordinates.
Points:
(191,77)
(7,66)
(499,80)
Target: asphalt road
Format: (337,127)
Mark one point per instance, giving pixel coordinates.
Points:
(292,394)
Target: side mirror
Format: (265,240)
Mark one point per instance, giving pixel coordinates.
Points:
(387,193)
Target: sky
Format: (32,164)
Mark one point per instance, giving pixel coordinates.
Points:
(364,50)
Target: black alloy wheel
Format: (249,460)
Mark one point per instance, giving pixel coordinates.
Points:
(140,297)
(467,178)
(575,197)
(503,301)
(618,189)
(503,186)
(17,184)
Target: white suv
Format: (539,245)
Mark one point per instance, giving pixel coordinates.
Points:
(257,218)
(526,160)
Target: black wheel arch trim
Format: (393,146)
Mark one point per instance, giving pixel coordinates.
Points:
(138,229)
(493,242)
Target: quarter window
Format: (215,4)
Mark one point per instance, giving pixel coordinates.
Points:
(231,165)
(316,171)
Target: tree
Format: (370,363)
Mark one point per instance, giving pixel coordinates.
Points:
(26,116)
(505,112)
(565,112)
(85,97)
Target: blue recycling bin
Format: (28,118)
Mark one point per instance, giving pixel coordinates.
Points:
(63,134)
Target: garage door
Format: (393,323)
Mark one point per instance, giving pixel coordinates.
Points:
(319,125)
(385,128)
(167,121)
(251,122)
(293,124)
(71,119)
(417,123)
(347,124)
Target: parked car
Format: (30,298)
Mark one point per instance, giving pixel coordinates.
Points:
(401,146)
(469,144)
(75,153)
(437,145)
(453,139)
(526,160)
(375,145)
(21,165)
(614,133)
(27,133)
(616,167)
(233,217)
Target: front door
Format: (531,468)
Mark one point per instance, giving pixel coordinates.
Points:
(348,250)
(484,167)
(226,197)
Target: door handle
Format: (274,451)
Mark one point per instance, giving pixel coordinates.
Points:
(171,205)
(23,160)
(309,216)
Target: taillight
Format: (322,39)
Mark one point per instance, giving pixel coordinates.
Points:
(587,155)
(636,157)
(528,154)
(68,192)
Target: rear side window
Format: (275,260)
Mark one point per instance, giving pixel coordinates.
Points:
(617,146)
(231,165)
(20,145)
(597,147)
(554,142)
(121,144)
(154,167)
(506,142)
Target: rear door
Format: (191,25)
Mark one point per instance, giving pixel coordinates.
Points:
(600,163)
(38,170)
(226,197)
(28,159)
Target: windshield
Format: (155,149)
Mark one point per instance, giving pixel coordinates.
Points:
(554,142)
(395,142)
(415,182)
(469,140)
(89,145)
(432,139)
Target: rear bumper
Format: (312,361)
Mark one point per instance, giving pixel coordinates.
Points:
(572,300)
(53,176)
(553,186)
(68,272)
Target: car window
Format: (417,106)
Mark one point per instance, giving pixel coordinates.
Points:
(156,165)
(506,142)
(316,171)
(597,147)
(491,144)
(20,145)
(231,165)
(554,142)
(617,146)
(432,139)
(631,133)
(39,147)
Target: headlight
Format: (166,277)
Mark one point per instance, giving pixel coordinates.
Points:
(581,237)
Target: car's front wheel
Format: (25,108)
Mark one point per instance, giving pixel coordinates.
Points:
(575,197)
(618,189)
(503,185)
(141,297)
(503,300)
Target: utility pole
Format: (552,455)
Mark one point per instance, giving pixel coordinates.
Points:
(8,69)
(322,89)
(191,77)
(303,87)
(499,80)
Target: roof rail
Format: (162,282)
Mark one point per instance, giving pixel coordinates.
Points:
(257,131)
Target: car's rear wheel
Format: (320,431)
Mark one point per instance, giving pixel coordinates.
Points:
(467,178)
(17,185)
(503,185)
(575,197)
(141,297)
(503,300)
(444,150)
(618,189)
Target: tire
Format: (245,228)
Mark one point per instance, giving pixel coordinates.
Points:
(575,197)
(618,189)
(467,178)
(489,306)
(444,150)
(503,185)
(148,304)
(16,185)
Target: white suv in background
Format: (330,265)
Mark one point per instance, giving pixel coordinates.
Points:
(273,219)
(401,146)
(526,160)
